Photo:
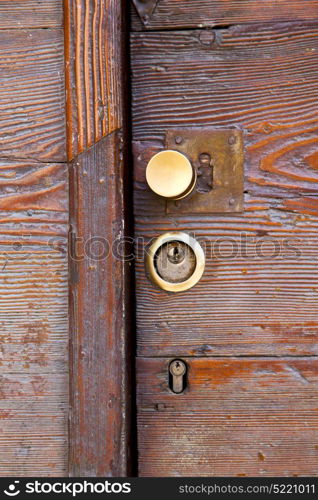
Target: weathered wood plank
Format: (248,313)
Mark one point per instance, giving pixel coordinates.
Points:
(33,241)
(213,85)
(31,14)
(173,14)
(33,423)
(258,293)
(34,340)
(264,80)
(100,418)
(237,417)
(33,291)
(32,94)
(33,318)
(32,185)
(94,70)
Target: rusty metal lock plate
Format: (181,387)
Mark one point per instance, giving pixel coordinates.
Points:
(217,155)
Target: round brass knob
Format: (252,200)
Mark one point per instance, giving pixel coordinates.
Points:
(170,174)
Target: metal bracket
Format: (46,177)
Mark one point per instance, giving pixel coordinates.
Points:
(145,9)
(217,155)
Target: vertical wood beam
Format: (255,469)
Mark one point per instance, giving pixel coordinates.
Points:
(99,289)
(94,40)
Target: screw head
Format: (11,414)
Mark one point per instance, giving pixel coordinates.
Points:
(178,139)
(232,139)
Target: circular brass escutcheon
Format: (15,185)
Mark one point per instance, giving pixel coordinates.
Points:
(170,174)
(175,261)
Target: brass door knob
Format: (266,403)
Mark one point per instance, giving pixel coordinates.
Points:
(170,174)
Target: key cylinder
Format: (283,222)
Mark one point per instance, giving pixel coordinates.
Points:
(175,261)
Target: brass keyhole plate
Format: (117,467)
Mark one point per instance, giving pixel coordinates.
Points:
(218,158)
(175,261)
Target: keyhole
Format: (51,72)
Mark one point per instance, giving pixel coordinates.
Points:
(176,254)
(177,376)
(205,173)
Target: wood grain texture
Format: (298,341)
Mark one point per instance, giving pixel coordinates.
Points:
(262,79)
(173,14)
(34,385)
(31,14)
(237,417)
(31,185)
(33,425)
(100,413)
(94,37)
(32,94)
(34,339)
(258,293)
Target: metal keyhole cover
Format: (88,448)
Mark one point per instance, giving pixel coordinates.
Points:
(182,251)
(177,370)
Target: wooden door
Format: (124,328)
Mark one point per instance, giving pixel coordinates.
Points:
(248,330)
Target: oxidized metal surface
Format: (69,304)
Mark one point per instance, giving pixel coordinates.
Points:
(178,270)
(217,155)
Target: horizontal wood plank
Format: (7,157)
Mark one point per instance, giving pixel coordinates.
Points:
(237,417)
(32,95)
(257,294)
(173,14)
(263,80)
(33,286)
(31,14)
(32,185)
(33,424)
(34,354)
(33,318)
